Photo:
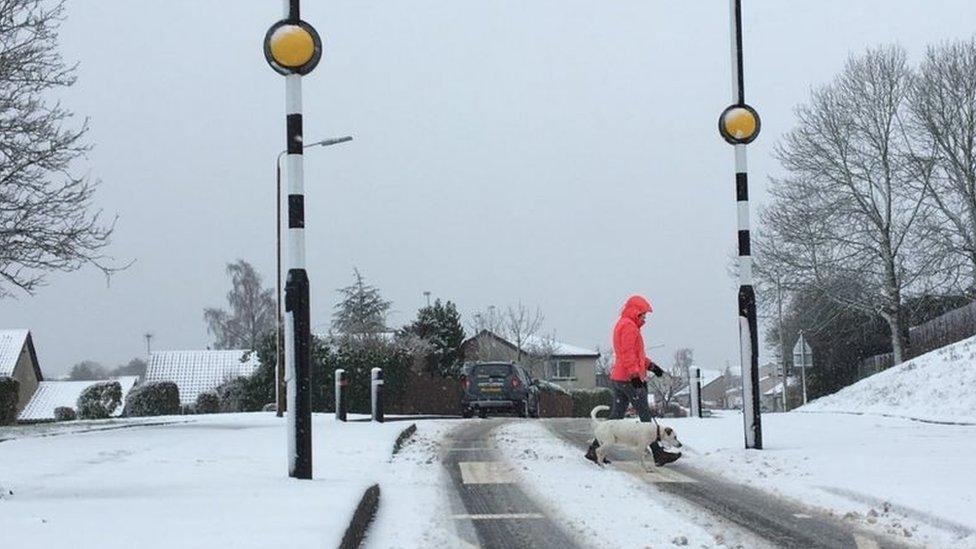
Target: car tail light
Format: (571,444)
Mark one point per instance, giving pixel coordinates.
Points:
(516,383)
(465,383)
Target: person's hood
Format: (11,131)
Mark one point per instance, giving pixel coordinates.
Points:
(636,305)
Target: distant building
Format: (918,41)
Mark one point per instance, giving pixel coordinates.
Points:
(566,365)
(54,394)
(714,390)
(18,360)
(197,371)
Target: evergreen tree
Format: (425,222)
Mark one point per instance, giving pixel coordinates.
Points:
(361,314)
(436,335)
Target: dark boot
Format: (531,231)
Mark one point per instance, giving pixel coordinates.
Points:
(591,452)
(661,457)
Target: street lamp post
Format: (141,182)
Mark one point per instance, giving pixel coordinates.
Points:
(280,405)
(739,125)
(293,48)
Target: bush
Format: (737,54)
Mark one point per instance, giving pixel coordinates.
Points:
(270,407)
(157,398)
(584,400)
(65,413)
(9,396)
(207,403)
(233,396)
(99,400)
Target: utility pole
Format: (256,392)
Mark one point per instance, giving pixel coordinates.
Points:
(427,295)
(739,125)
(148,337)
(293,48)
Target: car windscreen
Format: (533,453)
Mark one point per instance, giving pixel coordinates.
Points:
(492,370)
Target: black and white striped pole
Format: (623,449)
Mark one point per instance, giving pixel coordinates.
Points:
(739,125)
(293,48)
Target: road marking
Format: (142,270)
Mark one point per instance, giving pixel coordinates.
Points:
(657,475)
(865,543)
(485,472)
(499,516)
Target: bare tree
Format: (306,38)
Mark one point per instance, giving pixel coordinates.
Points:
(943,107)
(665,387)
(521,325)
(537,355)
(847,208)
(47,222)
(251,314)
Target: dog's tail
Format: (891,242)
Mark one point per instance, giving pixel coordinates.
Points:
(596,410)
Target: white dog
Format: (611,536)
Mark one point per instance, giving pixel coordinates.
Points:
(637,434)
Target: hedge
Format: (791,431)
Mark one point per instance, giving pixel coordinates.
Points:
(157,398)
(65,413)
(584,400)
(99,400)
(207,403)
(9,396)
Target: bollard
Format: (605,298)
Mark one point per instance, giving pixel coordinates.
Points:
(341,382)
(694,390)
(376,393)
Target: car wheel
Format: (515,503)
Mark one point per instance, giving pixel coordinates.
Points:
(467,412)
(523,409)
(482,413)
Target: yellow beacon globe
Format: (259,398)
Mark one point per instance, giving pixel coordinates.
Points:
(739,123)
(292,46)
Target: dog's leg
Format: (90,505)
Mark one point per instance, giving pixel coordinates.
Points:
(601,454)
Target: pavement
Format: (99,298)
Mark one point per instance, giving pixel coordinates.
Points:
(491,510)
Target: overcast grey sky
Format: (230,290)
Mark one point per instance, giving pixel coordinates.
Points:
(561,153)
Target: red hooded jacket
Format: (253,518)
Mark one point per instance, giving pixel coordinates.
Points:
(628,344)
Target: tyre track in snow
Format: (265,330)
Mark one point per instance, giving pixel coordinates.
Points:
(489,508)
(778,521)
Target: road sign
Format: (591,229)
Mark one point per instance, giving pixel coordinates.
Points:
(802,354)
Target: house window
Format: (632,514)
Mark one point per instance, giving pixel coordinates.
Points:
(564,369)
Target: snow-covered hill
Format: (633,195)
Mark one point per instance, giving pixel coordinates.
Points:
(937,386)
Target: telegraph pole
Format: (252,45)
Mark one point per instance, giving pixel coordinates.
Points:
(739,125)
(292,47)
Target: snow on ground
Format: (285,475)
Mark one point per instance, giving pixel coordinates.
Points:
(589,502)
(413,508)
(904,478)
(937,386)
(201,481)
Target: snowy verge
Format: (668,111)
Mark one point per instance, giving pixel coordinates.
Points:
(599,507)
(938,386)
(217,480)
(413,508)
(900,478)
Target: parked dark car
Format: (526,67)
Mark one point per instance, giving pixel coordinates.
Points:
(498,387)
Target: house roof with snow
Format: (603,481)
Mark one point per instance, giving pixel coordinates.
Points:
(53,394)
(12,344)
(197,371)
(532,343)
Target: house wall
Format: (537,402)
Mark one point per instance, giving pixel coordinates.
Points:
(24,373)
(585,370)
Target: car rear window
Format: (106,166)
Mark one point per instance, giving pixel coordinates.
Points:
(493,370)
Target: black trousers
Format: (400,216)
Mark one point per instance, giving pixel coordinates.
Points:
(624,394)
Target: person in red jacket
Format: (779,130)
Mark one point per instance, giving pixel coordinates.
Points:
(628,377)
